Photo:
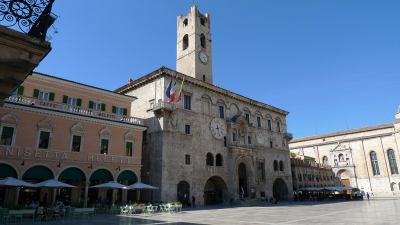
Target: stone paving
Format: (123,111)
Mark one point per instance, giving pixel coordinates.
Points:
(376,212)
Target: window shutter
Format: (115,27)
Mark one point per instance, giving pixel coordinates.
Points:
(125,111)
(36,93)
(91,103)
(103,107)
(20,90)
(51,96)
(65,99)
(114,109)
(79,102)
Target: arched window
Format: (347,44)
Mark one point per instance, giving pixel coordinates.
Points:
(203,41)
(202,21)
(280,165)
(218,160)
(210,159)
(275,165)
(374,163)
(392,161)
(278,126)
(185,22)
(185,42)
(325,160)
(341,157)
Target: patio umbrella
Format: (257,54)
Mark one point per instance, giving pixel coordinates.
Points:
(110,185)
(141,186)
(13,182)
(54,184)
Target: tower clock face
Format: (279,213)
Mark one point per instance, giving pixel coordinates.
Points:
(203,57)
(218,128)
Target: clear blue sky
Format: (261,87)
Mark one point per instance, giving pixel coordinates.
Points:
(333,65)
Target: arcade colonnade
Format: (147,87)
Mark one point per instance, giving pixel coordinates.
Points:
(74,175)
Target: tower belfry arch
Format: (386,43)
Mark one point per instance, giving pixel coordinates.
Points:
(193,46)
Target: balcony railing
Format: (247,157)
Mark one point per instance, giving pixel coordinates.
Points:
(32,17)
(73,109)
(160,105)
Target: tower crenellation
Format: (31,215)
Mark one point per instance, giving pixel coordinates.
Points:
(194,45)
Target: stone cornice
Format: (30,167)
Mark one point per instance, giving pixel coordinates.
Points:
(341,133)
(49,78)
(163,71)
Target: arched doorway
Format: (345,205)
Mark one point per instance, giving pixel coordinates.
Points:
(76,177)
(37,174)
(280,190)
(214,191)
(242,176)
(344,176)
(7,195)
(127,177)
(100,197)
(183,192)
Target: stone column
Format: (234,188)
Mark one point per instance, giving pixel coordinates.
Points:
(125,194)
(85,201)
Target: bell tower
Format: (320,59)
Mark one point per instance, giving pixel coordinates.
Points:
(193,48)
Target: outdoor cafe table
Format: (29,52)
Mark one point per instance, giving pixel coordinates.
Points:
(22,212)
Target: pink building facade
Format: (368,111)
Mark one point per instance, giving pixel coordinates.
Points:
(82,135)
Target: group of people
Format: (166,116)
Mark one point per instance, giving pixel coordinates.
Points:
(42,212)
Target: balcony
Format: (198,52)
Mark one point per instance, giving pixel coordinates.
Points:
(288,136)
(72,109)
(23,30)
(165,106)
(237,144)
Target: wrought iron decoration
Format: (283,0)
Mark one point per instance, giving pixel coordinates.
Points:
(27,15)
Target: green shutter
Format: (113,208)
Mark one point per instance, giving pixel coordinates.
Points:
(114,109)
(129,145)
(20,90)
(103,107)
(36,93)
(51,96)
(91,103)
(7,132)
(125,111)
(65,99)
(79,102)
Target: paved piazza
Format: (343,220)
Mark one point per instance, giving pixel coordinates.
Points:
(357,212)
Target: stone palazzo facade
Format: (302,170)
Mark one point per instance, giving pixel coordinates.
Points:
(366,158)
(209,144)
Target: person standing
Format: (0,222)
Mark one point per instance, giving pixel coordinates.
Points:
(193,201)
(368,196)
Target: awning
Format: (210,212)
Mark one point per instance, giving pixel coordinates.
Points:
(127,175)
(38,173)
(7,171)
(72,173)
(102,175)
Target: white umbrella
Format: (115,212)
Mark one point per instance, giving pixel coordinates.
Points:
(12,182)
(54,184)
(110,185)
(140,185)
